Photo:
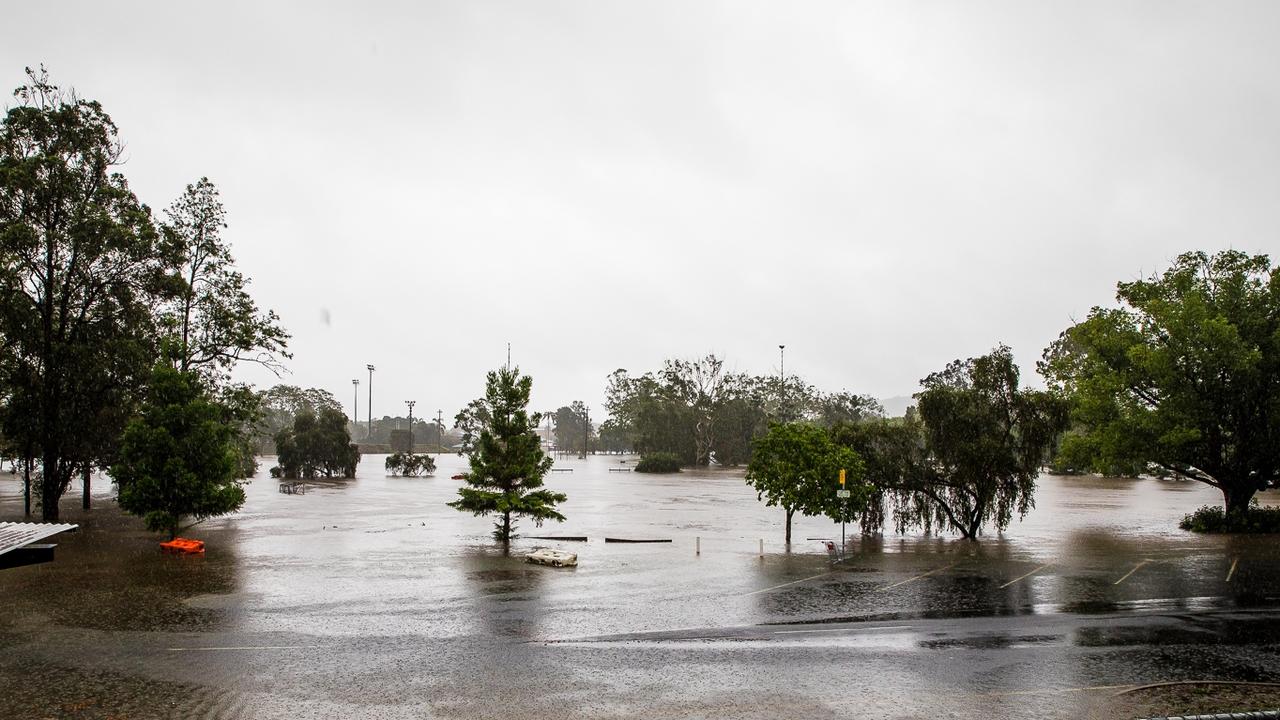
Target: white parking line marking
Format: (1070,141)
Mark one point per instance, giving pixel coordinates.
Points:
(1134,570)
(843,629)
(921,575)
(1022,577)
(793,582)
(249,647)
(1232,571)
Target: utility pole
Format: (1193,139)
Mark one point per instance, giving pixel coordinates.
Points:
(410,403)
(439,431)
(586,430)
(369,435)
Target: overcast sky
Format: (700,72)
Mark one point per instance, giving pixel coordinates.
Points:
(882,187)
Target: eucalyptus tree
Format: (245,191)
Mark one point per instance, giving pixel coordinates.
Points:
(214,322)
(572,427)
(1184,376)
(81,266)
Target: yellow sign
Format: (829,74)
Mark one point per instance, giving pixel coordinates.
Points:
(842,476)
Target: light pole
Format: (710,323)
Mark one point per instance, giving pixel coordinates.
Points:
(410,403)
(355,403)
(369,436)
(782,376)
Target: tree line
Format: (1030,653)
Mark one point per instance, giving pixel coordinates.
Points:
(1182,379)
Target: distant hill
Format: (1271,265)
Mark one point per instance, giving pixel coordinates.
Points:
(897,406)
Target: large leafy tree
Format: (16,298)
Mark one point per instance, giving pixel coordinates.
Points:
(178,458)
(214,322)
(81,266)
(797,467)
(572,427)
(505,452)
(969,457)
(1185,375)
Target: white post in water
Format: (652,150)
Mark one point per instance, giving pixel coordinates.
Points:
(761,547)
(697,545)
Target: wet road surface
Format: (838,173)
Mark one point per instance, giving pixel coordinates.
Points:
(370,598)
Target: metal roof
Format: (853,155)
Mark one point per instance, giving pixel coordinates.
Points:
(14,535)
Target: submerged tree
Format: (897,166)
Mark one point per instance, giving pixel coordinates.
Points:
(1185,376)
(968,458)
(315,445)
(410,464)
(507,462)
(796,467)
(178,457)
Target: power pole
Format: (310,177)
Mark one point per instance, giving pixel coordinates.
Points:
(439,431)
(586,430)
(369,435)
(410,403)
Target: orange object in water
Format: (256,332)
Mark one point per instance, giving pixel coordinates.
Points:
(183,545)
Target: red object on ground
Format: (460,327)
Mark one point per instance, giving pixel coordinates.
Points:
(458,477)
(183,545)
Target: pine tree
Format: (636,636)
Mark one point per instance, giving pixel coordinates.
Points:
(507,462)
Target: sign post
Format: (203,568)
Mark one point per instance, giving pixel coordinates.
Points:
(843,494)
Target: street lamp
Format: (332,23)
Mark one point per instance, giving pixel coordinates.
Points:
(369,436)
(782,362)
(410,403)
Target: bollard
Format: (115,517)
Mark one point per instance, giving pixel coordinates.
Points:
(697,545)
(761,547)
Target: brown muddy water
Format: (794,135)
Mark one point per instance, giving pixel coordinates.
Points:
(370,598)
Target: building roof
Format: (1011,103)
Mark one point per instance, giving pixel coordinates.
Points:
(14,535)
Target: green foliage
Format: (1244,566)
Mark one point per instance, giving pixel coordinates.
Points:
(410,465)
(1214,519)
(317,445)
(573,428)
(178,457)
(658,462)
(968,457)
(81,266)
(1183,376)
(703,414)
(213,321)
(507,462)
(796,466)
(282,403)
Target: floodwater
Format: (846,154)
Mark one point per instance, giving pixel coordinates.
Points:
(370,598)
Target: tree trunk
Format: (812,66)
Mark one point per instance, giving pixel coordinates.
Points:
(790,511)
(1236,497)
(26,485)
(506,530)
(49,486)
(85,483)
